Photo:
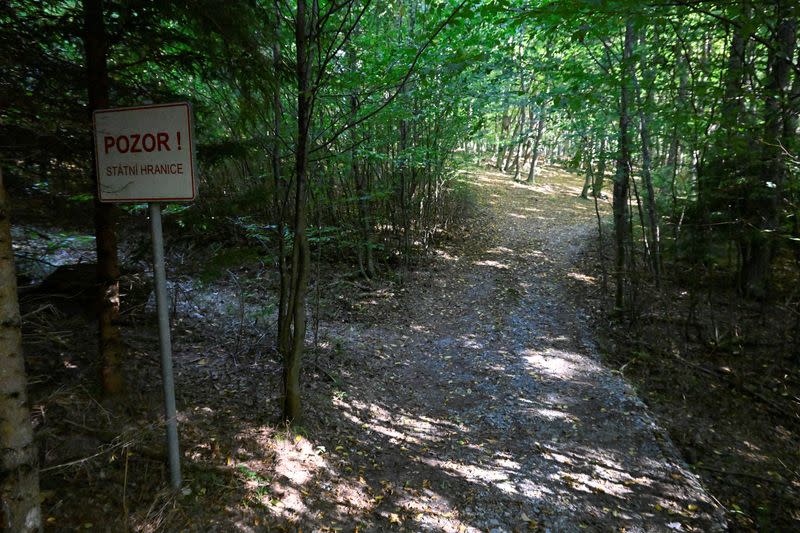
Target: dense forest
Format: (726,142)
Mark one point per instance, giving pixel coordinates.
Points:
(439,250)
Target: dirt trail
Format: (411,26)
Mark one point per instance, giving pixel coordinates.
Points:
(479,402)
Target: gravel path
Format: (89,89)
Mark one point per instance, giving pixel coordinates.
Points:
(479,402)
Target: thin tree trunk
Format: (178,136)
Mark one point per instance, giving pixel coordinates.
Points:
(535,151)
(673,158)
(513,145)
(647,177)
(645,241)
(359,179)
(601,247)
(622,177)
(19,472)
(281,198)
(650,200)
(501,143)
(301,254)
(110,342)
(589,177)
(521,143)
(407,181)
(600,174)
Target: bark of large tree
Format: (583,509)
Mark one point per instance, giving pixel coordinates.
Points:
(19,474)
(767,197)
(623,172)
(110,341)
(295,319)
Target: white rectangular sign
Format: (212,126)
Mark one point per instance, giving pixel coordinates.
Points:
(145,153)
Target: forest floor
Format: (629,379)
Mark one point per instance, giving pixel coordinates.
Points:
(470,398)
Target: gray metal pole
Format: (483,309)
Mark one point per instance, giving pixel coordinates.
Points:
(165,344)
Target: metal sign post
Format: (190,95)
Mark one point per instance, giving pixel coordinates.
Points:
(146,154)
(165,345)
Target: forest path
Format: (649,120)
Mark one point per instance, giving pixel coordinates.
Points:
(479,402)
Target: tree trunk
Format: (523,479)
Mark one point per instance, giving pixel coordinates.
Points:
(600,174)
(622,176)
(767,197)
(535,151)
(791,117)
(360,181)
(647,176)
(732,106)
(407,172)
(587,182)
(513,145)
(501,143)
(281,198)
(301,254)
(19,473)
(521,143)
(673,158)
(650,200)
(110,342)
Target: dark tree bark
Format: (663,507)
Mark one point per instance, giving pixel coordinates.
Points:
(766,199)
(647,176)
(733,105)
(281,199)
(110,342)
(301,253)
(19,473)
(623,172)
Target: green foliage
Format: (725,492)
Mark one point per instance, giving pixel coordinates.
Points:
(471,67)
(68,241)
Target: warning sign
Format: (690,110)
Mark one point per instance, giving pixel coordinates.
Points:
(145,154)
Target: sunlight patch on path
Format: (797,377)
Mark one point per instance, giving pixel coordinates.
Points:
(559,364)
(492,263)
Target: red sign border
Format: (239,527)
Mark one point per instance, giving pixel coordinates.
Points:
(188,107)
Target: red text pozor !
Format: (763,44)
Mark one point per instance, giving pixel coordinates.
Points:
(136,143)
